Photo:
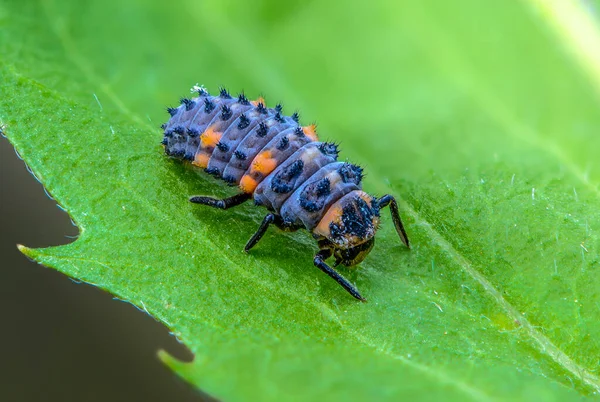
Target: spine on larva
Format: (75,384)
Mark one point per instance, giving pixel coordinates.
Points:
(268,155)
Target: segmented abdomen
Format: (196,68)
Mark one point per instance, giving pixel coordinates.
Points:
(272,157)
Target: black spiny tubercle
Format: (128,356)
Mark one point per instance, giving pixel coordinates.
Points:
(279,118)
(329,148)
(222,146)
(189,104)
(209,106)
(262,129)
(244,122)
(283,143)
(193,133)
(261,108)
(294,175)
(223,93)
(242,99)
(226,112)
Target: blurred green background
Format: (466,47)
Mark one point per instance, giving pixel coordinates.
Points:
(468,110)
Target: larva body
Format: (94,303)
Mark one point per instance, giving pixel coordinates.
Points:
(283,167)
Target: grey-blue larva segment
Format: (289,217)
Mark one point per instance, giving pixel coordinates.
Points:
(269,156)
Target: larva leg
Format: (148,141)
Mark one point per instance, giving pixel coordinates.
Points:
(221,204)
(391,201)
(269,219)
(319,262)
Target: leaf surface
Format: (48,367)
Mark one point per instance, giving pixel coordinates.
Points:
(481,117)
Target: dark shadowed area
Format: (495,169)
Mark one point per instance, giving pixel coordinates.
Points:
(62,340)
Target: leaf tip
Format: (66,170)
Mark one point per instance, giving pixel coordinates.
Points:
(25,250)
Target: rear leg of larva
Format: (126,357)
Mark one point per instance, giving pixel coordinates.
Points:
(225,203)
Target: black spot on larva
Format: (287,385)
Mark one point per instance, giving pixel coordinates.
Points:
(295,168)
(263,129)
(192,132)
(208,105)
(189,156)
(212,171)
(279,108)
(309,205)
(163,126)
(164,141)
(279,118)
(169,134)
(178,154)
(282,182)
(172,111)
(240,155)
(335,230)
(261,108)
(222,146)
(203,92)
(313,197)
(179,130)
(329,148)
(226,112)
(223,93)
(350,173)
(299,132)
(242,99)
(244,122)
(189,104)
(323,187)
(296,117)
(283,143)
(229,179)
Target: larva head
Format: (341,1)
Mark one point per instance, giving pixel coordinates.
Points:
(349,226)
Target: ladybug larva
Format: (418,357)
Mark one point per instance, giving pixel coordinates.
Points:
(283,167)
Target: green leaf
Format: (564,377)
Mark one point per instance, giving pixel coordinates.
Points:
(481,116)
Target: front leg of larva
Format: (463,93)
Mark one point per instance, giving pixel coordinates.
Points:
(320,263)
(391,201)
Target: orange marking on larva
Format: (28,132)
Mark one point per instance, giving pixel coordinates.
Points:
(263,163)
(248,184)
(210,138)
(366,197)
(201,160)
(311,132)
(333,214)
(259,100)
